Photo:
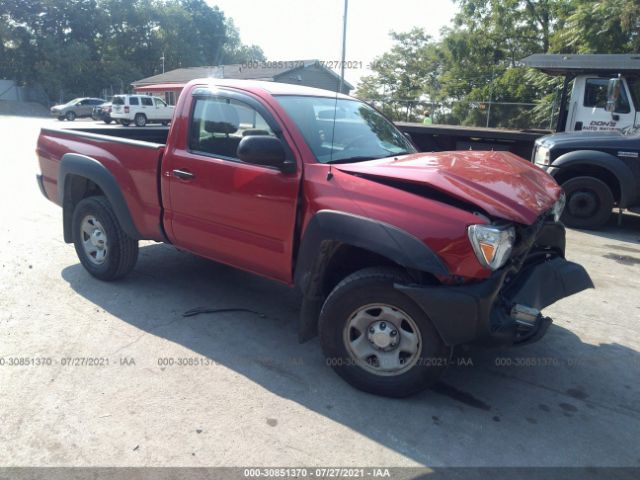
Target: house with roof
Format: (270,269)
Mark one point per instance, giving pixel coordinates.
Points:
(310,73)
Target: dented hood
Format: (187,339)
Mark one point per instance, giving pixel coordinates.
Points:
(500,183)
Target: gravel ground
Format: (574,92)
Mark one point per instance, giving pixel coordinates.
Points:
(254,396)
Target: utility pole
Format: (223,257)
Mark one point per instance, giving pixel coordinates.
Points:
(490,98)
(344,43)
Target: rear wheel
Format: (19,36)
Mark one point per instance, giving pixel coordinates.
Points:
(140,119)
(104,249)
(71,116)
(61,118)
(107,121)
(164,124)
(125,123)
(589,203)
(377,339)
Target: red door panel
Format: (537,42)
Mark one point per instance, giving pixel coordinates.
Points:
(227,210)
(235,213)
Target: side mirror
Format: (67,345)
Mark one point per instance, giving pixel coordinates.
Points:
(613,94)
(264,150)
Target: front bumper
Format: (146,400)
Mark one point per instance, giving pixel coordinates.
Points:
(482,312)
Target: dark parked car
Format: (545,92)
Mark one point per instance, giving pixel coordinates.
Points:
(76,108)
(102,112)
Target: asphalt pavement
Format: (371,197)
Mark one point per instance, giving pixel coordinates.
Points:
(112,374)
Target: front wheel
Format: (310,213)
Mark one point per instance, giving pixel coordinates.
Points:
(589,203)
(104,249)
(124,123)
(377,339)
(140,119)
(71,116)
(107,121)
(61,118)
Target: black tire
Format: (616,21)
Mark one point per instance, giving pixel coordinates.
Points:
(122,250)
(164,124)
(107,121)
(140,120)
(61,118)
(125,123)
(375,286)
(70,116)
(589,203)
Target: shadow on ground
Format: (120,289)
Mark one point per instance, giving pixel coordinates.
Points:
(570,402)
(623,227)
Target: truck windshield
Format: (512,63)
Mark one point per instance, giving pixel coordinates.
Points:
(341,130)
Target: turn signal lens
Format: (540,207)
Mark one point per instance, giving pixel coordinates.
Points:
(487,252)
(492,244)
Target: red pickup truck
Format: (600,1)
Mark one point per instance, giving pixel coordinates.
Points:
(399,256)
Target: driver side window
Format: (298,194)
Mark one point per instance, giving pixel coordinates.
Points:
(218,125)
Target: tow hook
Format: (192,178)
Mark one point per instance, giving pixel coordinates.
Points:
(532,325)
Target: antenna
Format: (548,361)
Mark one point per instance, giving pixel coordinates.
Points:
(340,84)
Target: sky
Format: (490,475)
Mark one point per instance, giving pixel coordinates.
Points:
(312,29)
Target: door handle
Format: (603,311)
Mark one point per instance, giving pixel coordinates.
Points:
(183,174)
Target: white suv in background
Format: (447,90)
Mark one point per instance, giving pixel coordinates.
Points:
(140,109)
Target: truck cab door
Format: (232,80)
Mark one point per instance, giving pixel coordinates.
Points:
(219,207)
(591,102)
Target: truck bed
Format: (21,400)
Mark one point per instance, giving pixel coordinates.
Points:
(157,135)
(131,155)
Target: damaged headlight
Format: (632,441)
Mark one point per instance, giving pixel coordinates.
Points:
(492,244)
(558,207)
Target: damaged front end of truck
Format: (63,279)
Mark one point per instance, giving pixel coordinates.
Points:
(506,307)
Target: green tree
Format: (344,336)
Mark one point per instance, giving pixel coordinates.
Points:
(79,47)
(605,26)
(237,52)
(403,75)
